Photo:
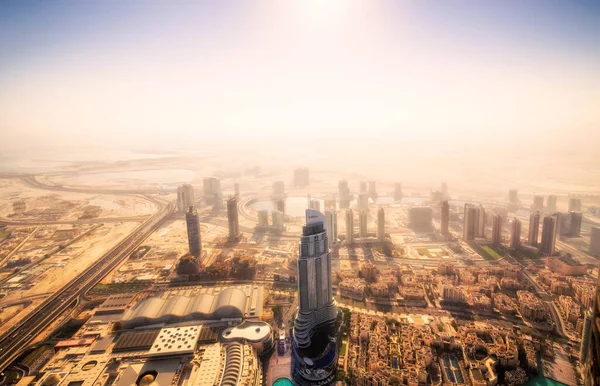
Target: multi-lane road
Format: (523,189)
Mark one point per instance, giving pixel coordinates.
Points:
(20,335)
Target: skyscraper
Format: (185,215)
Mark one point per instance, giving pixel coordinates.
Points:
(232,218)
(363,201)
(574,204)
(480,222)
(381,225)
(362,221)
(470,215)
(515,234)
(551,203)
(397,191)
(278,189)
(549,235)
(445,220)
(576,220)
(185,197)
(212,190)
(193,231)
(538,203)
(444,191)
(315,205)
(314,351)
(496,229)
(277,219)
(534,229)
(331,226)
(363,187)
(372,190)
(595,241)
(344,193)
(591,339)
(513,196)
(236,189)
(349,226)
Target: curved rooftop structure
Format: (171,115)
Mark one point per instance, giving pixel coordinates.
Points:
(229,303)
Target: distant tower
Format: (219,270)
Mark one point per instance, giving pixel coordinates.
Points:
(551,203)
(331,226)
(586,335)
(372,190)
(349,227)
(549,235)
(362,220)
(538,203)
(513,197)
(574,204)
(576,220)
(397,191)
(515,236)
(444,191)
(236,189)
(496,229)
(534,229)
(445,220)
(278,189)
(363,187)
(185,197)
(381,225)
(469,222)
(595,241)
(363,201)
(193,231)
(315,205)
(344,193)
(301,178)
(277,220)
(480,222)
(232,218)
(314,354)
(212,190)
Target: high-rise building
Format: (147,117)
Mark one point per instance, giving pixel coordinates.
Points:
(185,197)
(397,191)
(263,218)
(372,190)
(586,335)
(496,229)
(344,192)
(363,187)
(445,220)
(420,218)
(280,205)
(591,366)
(513,196)
(549,235)
(277,220)
(469,221)
(314,352)
(278,189)
(538,203)
(363,201)
(480,222)
(362,221)
(515,234)
(236,189)
(595,241)
(232,218)
(574,204)
(212,190)
(315,205)
(551,207)
(381,225)
(576,220)
(193,231)
(349,226)
(301,177)
(444,191)
(331,226)
(534,229)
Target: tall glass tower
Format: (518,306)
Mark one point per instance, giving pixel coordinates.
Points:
(314,352)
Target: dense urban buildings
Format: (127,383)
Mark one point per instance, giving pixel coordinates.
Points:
(232,219)
(534,229)
(185,197)
(591,340)
(314,352)
(515,234)
(549,235)
(193,232)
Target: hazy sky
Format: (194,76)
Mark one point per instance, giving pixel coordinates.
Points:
(171,72)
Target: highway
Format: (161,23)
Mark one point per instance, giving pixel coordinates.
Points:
(32,181)
(97,220)
(20,335)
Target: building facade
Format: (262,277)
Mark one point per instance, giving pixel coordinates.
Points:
(193,232)
(534,229)
(232,219)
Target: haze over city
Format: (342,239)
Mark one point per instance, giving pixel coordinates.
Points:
(308,192)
